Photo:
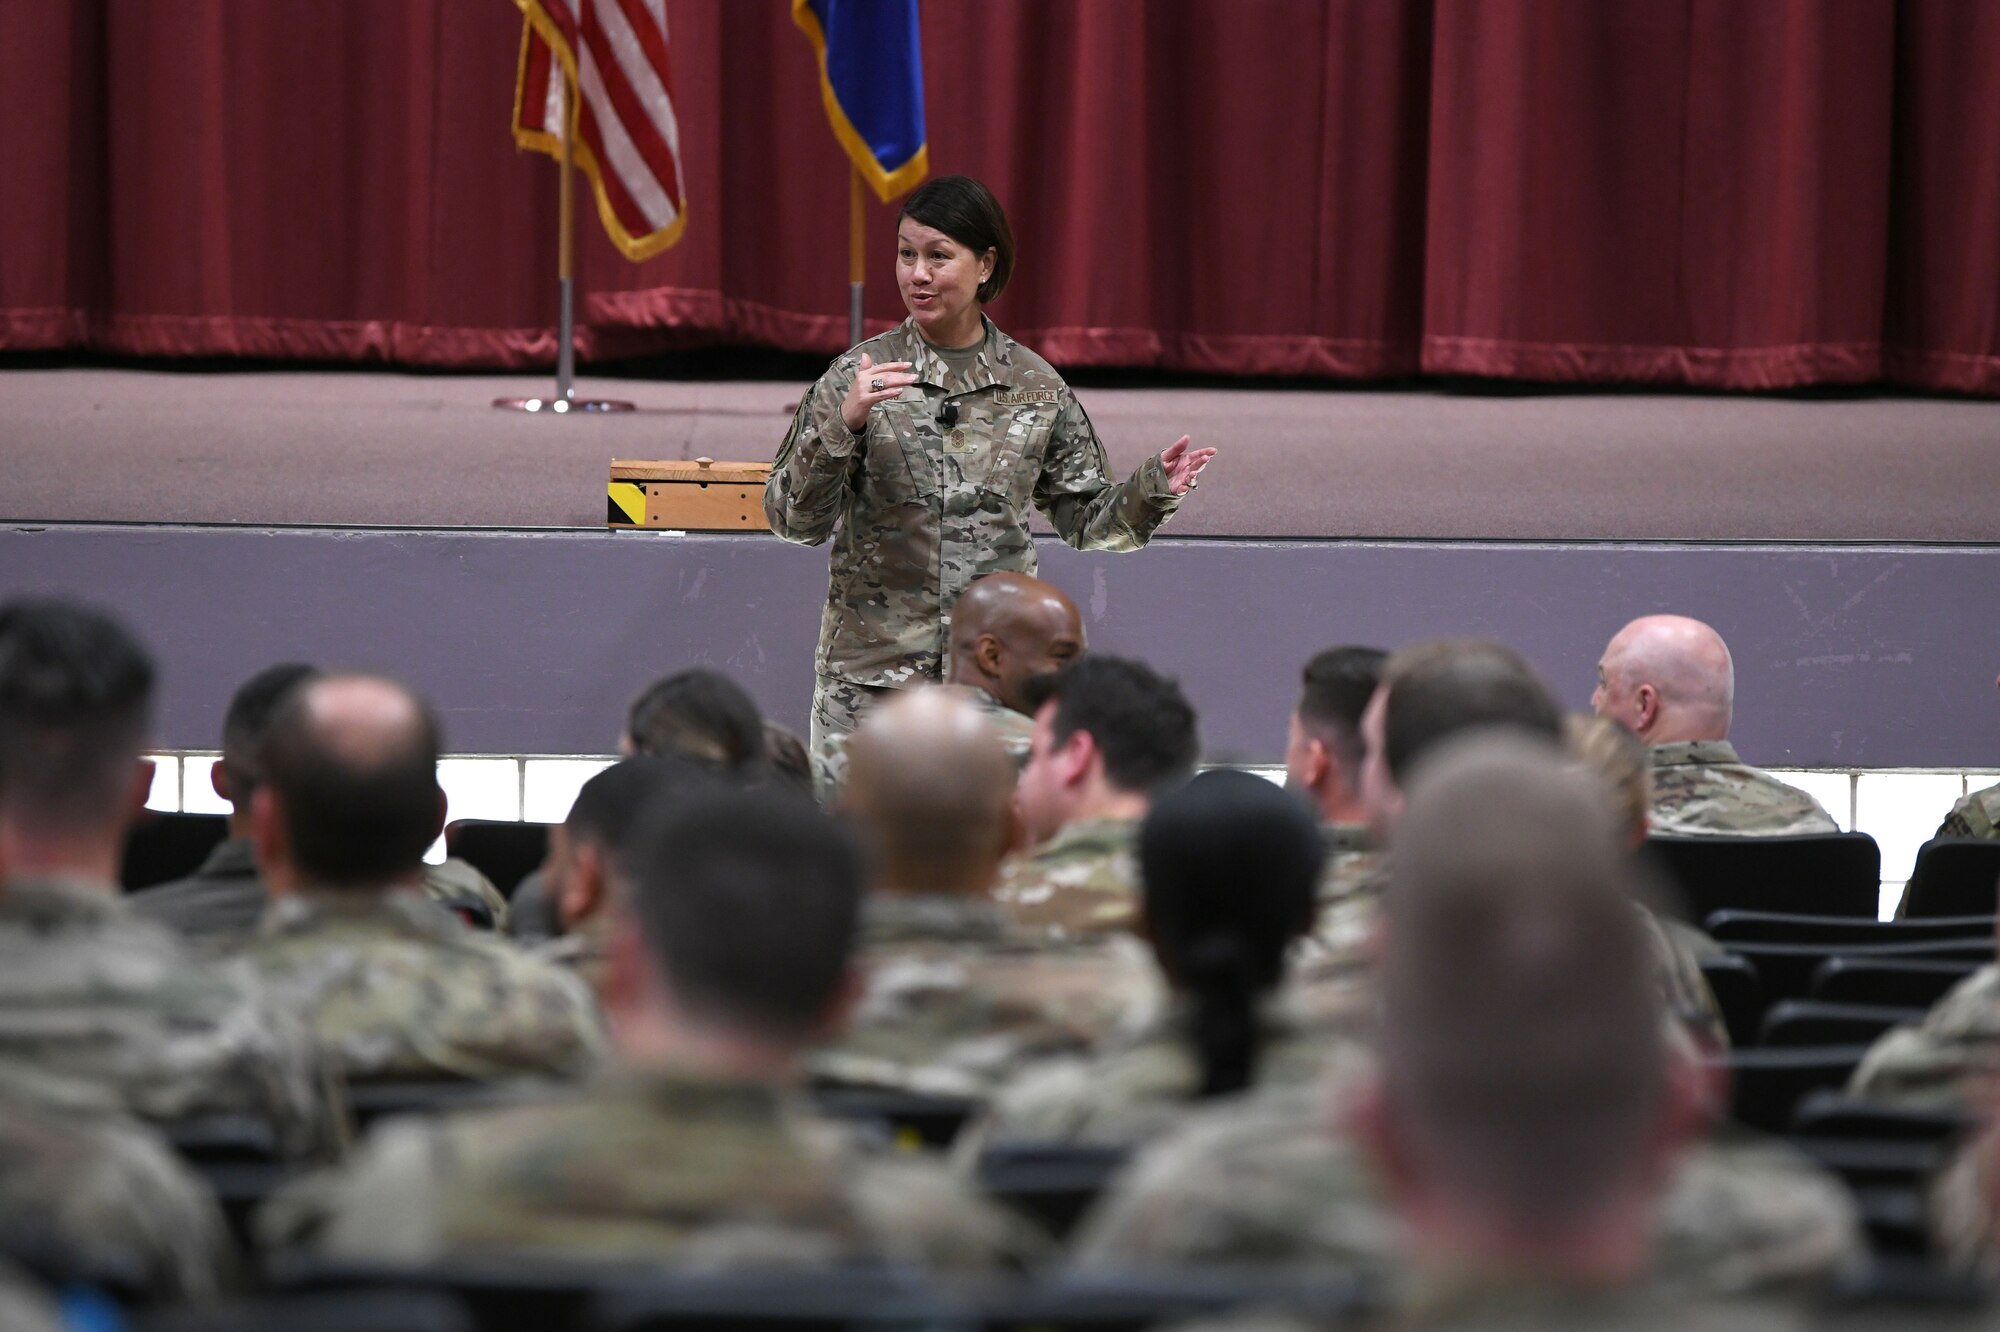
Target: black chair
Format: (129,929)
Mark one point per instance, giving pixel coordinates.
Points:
(164,847)
(1828,874)
(1787,970)
(240,1159)
(372,1101)
(1833,1114)
(1128,1302)
(1738,993)
(1730,928)
(1765,1086)
(1887,982)
(903,1118)
(1953,876)
(400,1309)
(504,851)
(1798,1022)
(773,1302)
(1054,1183)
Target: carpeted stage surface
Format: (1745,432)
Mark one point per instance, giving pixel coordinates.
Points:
(354,449)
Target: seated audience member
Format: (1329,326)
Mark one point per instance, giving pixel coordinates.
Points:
(1965,1198)
(1109,735)
(218,906)
(1975,815)
(1007,629)
(1617,759)
(699,715)
(583,859)
(955,997)
(1323,753)
(105,1198)
(1428,693)
(393,985)
(100,1010)
(1231,866)
(1521,1135)
(1949,1061)
(222,900)
(1669,680)
(729,960)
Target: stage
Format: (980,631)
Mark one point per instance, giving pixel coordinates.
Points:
(348,449)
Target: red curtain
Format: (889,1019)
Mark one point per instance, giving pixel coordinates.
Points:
(1721,193)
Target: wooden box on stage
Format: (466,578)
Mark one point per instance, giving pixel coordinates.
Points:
(701,495)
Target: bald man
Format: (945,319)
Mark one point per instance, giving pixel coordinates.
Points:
(956,998)
(1524,1135)
(1006,630)
(393,985)
(1669,680)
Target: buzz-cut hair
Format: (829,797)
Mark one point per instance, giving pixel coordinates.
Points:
(76,708)
(1334,691)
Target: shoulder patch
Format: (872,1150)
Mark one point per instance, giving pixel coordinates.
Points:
(1022,397)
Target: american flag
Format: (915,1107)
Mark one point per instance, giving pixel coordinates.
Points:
(627,139)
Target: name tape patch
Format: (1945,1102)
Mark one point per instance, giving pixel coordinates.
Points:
(1024,397)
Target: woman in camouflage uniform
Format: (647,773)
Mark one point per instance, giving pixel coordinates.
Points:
(927,446)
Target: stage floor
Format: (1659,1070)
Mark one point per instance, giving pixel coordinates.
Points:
(364,449)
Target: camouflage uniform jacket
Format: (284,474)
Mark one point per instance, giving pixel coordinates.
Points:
(647,1167)
(923,510)
(218,906)
(1975,815)
(584,949)
(101,1011)
(1138,1089)
(1268,1186)
(117,1206)
(1015,732)
(1961,1206)
(1946,1061)
(1701,788)
(394,986)
(1084,880)
(957,1000)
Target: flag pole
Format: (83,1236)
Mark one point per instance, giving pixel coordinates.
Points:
(565,399)
(857,254)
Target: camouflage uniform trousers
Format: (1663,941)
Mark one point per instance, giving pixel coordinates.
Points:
(837,708)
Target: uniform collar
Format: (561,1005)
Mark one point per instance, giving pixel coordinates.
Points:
(994,364)
(889,918)
(394,911)
(1694,753)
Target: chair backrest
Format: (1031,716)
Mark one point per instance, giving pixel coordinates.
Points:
(1887,982)
(1767,1085)
(1797,1022)
(1054,1183)
(1733,927)
(504,851)
(370,1101)
(1826,874)
(1835,1114)
(164,847)
(1954,876)
(1739,993)
(1787,970)
(391,1309)
(903,1117)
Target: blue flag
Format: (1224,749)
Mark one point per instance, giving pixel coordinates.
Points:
(871,77)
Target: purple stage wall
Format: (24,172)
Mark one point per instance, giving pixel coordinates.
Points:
(531,643)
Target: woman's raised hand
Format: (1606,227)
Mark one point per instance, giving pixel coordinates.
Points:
(876,383)
(1184,465)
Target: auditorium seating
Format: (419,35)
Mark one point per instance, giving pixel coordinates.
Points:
(239,1157)
(1767,1085)
(390,1309)
(1054,1183)
(1887,982)
(504,851)
(164,847)
(901,1117)
(1797,1022)
(1738,993)
(1954,876)
(1830,874)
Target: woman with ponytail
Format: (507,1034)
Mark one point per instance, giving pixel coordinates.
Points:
(1230,863)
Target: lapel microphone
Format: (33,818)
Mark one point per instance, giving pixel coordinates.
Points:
(947,413)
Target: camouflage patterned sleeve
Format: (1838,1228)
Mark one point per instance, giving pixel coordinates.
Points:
(1088,509)
(811,475)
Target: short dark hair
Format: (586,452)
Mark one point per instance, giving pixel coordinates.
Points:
(1336,687)
(609,804)
(748,901)
(250,711)
(701,715)
(785,751)
(1440,689)
(1231,866)
(76,706)
(352,823)
(1139,720)
(966,211)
